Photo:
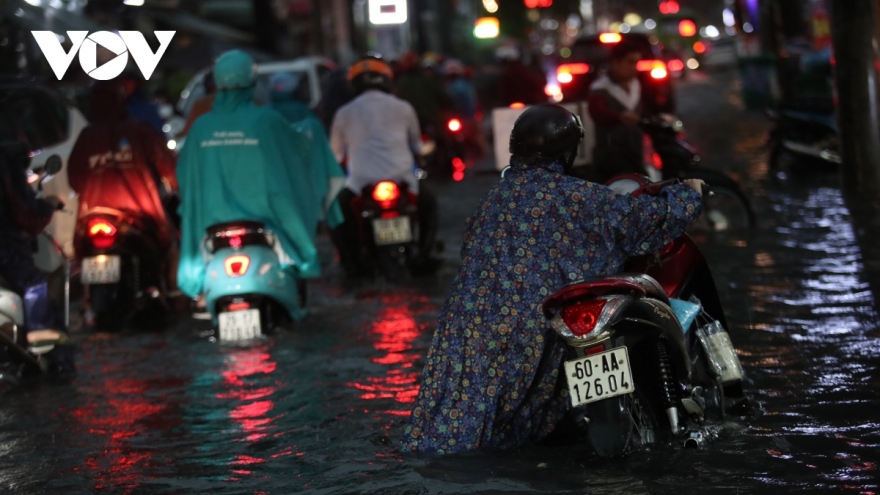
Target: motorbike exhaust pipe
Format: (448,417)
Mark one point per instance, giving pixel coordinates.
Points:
(694,440)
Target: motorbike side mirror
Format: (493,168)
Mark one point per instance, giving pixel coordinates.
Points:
(53,165)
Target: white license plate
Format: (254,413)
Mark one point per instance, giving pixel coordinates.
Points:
(239,325)
(600,376)
(103,269)
(392,230)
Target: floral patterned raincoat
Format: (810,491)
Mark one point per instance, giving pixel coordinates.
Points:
(492,376)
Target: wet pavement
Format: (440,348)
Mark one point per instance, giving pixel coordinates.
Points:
(319,409)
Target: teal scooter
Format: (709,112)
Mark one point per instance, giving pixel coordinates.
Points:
(248,290)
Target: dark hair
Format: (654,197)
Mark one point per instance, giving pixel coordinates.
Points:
(623,49)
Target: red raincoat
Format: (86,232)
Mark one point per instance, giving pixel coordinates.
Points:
(117,162)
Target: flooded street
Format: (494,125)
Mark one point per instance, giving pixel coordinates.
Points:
(320,409)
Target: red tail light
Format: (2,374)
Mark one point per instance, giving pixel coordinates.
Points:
(239,306)
(581,317)
(656,67)
(454,125)
(676,65)
(565,73)
(237,265)
(102,233)
(457,169)
(386,193)
(517,105)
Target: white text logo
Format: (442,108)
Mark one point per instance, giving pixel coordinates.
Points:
(86,44)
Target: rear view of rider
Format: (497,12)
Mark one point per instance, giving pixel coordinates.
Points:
(124,164)
(492,374)
(246,162)
(378,134)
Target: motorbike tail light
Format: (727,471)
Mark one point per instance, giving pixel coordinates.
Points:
(657,161)
(457,169)
(239,306)
(517,105)
(582,317)
(237,265)
(386,193)
(102,233)
(610,38)
(454,125)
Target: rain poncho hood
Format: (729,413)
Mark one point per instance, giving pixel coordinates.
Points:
(244,162)
(492,375)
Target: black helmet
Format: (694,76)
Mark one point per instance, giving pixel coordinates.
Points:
(370,72)
(547,131)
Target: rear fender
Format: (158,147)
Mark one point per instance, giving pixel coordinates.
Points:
(653,318)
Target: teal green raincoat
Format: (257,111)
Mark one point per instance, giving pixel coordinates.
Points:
(244,162)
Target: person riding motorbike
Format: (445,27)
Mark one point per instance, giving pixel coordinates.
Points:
(518,83)
(23,216)
(378,134)
(138,104)
(121,163)
(424,93)
(492,377)
(245,162)
(614,104)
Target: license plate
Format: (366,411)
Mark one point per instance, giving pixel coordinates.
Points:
(240,325)
(600,376)
(103,269)
(392,230)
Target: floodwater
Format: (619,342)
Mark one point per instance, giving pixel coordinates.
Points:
(319,409)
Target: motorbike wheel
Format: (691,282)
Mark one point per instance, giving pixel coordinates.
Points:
(727,209)
(622,424)
(110,307)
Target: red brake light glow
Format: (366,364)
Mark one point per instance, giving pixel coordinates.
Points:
(239,306)
(610,38)
(386,192)
(687,28)
(237,265)
(454,125)
(583,316)
(676,65)
(457,169)
(517,105)
(102,233)
(565,72)
(656,67)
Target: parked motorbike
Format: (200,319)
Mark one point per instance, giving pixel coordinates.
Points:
(648,357)
(246,288)
(387,228)
(669,156)
(802,134)
(122,269)
(18,358)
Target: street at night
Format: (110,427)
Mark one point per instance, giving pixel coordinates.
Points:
(320,407)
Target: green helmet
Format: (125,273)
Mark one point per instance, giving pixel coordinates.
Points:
(235,69)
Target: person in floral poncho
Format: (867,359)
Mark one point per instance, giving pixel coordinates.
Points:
(492,377)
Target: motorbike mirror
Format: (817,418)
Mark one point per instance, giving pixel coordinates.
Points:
(53,165)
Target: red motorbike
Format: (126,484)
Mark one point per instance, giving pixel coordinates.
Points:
(648,356)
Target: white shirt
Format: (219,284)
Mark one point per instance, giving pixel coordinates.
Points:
(628,98)
(379,134)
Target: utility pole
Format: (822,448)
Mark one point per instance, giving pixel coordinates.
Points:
(854,33)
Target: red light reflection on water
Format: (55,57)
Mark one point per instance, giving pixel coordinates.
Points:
(247,390)
(394,331)
(126,414)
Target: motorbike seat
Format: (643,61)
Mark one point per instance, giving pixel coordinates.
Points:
(247,233)
(636,284)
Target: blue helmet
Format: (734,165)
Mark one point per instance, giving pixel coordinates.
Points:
(235,69)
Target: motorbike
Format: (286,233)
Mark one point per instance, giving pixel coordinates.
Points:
(647,355)
(387,228)
(18,358)
(443,149)
(802,134)
(247,290)
(669,156)
(122,269)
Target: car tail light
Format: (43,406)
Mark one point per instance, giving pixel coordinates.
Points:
(565,73)
(656,67)
(386,193)
(676,65)
(457,169)
(582,317)
(102,233)
(454,125)
(237,265)
(608,38)
(239,306)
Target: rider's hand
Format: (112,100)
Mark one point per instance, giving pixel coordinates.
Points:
(55,201)
(629,117)
(696,185)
